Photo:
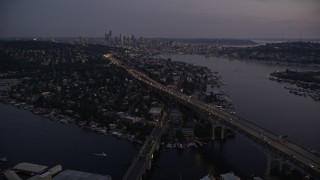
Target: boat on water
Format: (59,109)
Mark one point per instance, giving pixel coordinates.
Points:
(208,177)
(100,154)
(4,159)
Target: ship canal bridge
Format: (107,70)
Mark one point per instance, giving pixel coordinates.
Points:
(271,144)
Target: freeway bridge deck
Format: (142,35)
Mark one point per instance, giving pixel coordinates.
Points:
(294,153)
(142,161)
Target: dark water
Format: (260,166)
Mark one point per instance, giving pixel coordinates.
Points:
(257,99)
(30,138)
(236,155)
(25,137)
(266,102)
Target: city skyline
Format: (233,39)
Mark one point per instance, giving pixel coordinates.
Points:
(168,19)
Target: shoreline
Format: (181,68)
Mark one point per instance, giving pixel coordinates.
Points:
(270,62)
(52,115)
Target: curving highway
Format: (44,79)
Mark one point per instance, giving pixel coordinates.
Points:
(297,155)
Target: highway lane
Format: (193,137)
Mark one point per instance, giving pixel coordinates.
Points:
(272,139)
(295,152)
(140,164)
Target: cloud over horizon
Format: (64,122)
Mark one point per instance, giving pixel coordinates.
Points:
(162,18)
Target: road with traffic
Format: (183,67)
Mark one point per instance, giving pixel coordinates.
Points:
(294,153)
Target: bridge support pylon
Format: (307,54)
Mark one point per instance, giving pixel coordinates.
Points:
(149,165)
(213,132)
(222,132)
(268,165)
(280,166)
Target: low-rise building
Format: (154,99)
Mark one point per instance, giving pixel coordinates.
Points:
(155,112)
(175,115)
(188,134)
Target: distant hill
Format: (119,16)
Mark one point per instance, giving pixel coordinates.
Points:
(213,41)
(289,52)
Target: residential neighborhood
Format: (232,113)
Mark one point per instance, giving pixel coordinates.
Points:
(73,83)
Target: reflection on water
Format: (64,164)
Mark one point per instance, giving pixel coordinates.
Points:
(257,99)
(26,137)
(264,102)
(198,159)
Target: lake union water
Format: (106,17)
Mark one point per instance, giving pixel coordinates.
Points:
(264,102)
(257,99)
(30,138)
(26,137)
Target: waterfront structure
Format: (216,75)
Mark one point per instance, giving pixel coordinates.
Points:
(29,168)
(40,172)
(79,175)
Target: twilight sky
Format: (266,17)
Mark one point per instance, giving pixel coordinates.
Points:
(161,18)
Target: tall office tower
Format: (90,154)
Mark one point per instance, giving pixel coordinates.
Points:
(133,41)
(116,39)
(300,36)
(132,38)
(106,37)
(110,33)
(123,39)
(120,39)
